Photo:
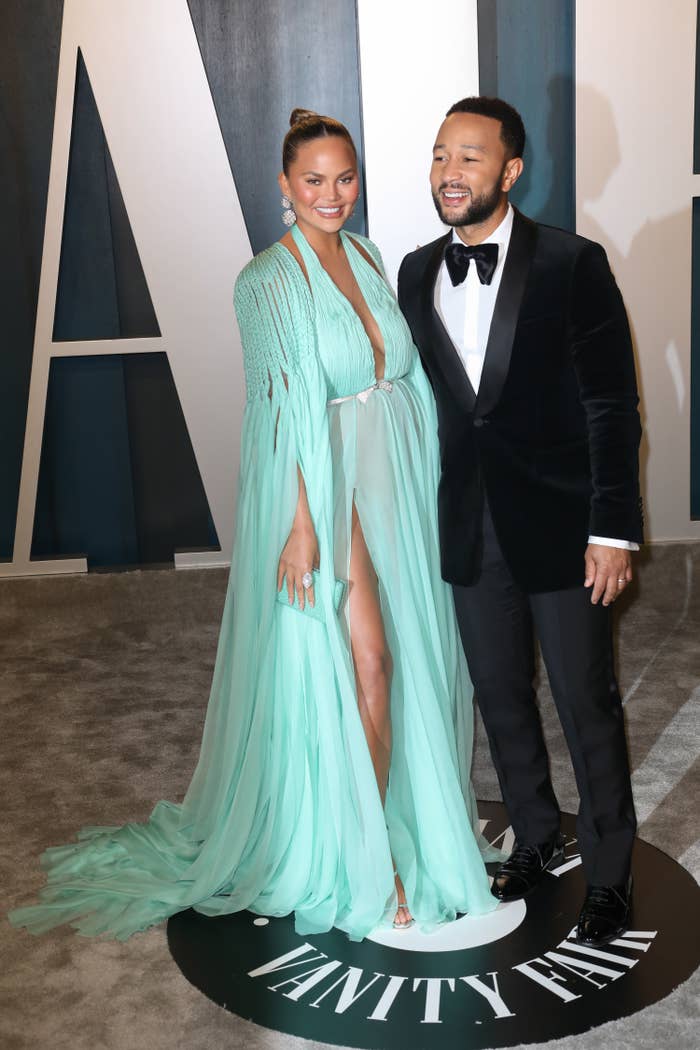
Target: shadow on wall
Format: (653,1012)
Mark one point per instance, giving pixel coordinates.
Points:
(652,247)
(551,171)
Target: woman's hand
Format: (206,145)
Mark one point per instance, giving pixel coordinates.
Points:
(300,554)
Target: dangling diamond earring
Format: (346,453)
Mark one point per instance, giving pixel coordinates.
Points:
(289,216)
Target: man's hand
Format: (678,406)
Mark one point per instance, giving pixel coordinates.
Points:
(608,571)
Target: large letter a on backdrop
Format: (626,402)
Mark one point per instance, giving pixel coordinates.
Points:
(159,120)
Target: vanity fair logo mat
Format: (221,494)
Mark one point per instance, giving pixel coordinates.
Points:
(515,976)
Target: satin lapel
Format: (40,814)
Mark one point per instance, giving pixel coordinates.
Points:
(441,346)
(506,311)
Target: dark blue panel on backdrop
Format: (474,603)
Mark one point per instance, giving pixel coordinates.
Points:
(526,56)
(695,370)
(102,292)
(85,501)
(115,452)
(29,39)
(262,60)
(696,143)
(695,308)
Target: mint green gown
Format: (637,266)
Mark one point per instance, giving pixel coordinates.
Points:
(283,813)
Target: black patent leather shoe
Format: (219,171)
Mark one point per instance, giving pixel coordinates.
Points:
(605,914)
(526,865)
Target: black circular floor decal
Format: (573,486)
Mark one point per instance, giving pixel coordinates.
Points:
(514,976)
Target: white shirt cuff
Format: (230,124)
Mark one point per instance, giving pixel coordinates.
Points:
(604,541)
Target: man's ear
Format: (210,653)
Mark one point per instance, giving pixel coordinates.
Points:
(513,171)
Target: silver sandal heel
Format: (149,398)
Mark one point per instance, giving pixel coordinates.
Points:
(402,907)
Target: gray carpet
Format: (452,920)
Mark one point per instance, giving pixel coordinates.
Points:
(103,682)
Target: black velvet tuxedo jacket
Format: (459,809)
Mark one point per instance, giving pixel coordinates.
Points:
(552,436)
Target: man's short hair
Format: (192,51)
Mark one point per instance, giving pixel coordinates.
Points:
(512,127)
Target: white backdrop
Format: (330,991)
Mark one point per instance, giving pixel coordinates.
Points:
(412,71)
(635,90)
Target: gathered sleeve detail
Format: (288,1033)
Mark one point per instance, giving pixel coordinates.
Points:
(275,317)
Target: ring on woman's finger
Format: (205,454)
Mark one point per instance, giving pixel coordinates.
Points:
(307,581)
(622,581)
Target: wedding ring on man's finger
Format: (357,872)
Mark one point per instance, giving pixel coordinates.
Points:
(307,581)
(622,581)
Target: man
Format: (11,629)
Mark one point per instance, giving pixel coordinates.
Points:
(522,331)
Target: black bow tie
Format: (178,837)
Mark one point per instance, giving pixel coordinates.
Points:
(458,256)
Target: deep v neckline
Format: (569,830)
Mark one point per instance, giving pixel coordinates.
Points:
(309,252)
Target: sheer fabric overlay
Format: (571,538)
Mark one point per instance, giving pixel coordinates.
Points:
(283,813)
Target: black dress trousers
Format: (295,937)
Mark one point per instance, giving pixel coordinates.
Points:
(497,622)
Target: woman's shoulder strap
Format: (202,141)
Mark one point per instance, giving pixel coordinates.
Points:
(369,248)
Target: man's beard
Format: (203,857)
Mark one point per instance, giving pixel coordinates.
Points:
(478,210)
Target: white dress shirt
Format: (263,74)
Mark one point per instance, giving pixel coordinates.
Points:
(466,310)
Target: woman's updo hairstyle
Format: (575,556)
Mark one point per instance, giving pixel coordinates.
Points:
(305,126)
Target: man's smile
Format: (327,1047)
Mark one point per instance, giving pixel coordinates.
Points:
(454,196)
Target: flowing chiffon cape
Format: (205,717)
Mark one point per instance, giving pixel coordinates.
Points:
(283,813)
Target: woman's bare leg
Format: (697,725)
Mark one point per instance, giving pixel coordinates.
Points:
(373,667)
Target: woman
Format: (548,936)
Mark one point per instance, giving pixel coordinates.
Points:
(333,778)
